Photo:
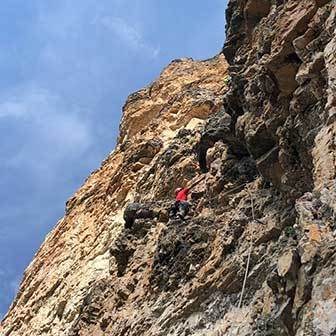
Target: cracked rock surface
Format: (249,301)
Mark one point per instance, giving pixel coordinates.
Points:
(264,139)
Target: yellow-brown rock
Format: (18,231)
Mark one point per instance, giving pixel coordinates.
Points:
(75,256)
(255,256)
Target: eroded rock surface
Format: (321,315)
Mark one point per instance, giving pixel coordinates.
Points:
(264,140)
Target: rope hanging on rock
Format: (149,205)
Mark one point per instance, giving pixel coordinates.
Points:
(249,256)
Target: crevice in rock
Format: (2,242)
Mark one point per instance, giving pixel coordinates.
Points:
(293,58)
(219,128)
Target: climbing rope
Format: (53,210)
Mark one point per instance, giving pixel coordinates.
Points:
(248,257)
(248,260)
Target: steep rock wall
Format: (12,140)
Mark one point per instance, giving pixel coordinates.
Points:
(282,102)
(76,259)
(264,141)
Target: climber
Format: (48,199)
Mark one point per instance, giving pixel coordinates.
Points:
(181,205)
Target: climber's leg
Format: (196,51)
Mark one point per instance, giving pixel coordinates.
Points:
(184,207)
(174,209)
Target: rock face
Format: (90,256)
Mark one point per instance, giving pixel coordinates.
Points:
(256,254)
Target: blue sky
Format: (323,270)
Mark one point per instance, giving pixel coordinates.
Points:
(66,68)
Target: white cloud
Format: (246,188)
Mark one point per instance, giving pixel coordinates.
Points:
(27,103)
(10,109)
(129,35)
(54,130)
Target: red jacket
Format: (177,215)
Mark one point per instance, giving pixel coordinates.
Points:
(182,195)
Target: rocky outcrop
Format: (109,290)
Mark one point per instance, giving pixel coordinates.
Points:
(256,254)
(281,95)
(90,263)
(281,100)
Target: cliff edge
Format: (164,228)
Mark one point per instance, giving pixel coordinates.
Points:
(256,254)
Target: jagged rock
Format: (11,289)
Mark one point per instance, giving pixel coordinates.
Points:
(90,248)
(288,264)
(135,211)
(262,133)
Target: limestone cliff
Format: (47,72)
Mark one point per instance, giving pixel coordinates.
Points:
(156,151)
(256,255)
